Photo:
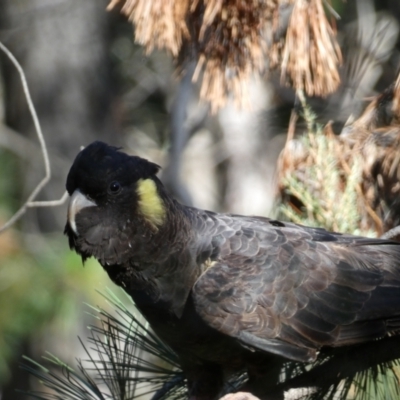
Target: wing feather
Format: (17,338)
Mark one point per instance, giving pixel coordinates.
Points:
(290,290)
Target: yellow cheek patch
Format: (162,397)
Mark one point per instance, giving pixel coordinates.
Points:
(151,205)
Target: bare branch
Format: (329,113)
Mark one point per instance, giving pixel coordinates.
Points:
(392,233)
(30,201)
(49,203)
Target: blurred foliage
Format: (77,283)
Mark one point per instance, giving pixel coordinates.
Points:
(42,283)
(42,293)
(8,188)
(380,384)
(328,201)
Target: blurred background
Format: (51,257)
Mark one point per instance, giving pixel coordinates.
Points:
(89,81)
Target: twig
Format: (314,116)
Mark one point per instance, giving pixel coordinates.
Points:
(30,203)
(391,233)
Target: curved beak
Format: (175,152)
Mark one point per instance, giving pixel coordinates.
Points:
(77,202)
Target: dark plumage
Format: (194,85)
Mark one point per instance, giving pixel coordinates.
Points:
(228,292)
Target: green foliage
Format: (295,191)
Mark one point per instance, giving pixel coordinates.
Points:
(380,384)
(8,188)
(41,292)
(329,201)
(329,198)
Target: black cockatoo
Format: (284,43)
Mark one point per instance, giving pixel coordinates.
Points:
(226,292)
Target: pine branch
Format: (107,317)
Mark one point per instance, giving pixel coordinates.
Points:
(125,360)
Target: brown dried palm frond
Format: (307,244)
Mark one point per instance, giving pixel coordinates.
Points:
(232,40)
(311,54)
(230,46)
(158,23)
(353,177)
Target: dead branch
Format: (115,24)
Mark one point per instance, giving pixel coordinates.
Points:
(30,202)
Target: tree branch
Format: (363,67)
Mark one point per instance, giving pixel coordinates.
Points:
(30,203)
(392,233)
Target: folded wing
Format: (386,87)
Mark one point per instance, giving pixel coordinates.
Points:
(290,290)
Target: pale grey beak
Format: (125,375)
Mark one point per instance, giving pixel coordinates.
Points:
(77,202)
